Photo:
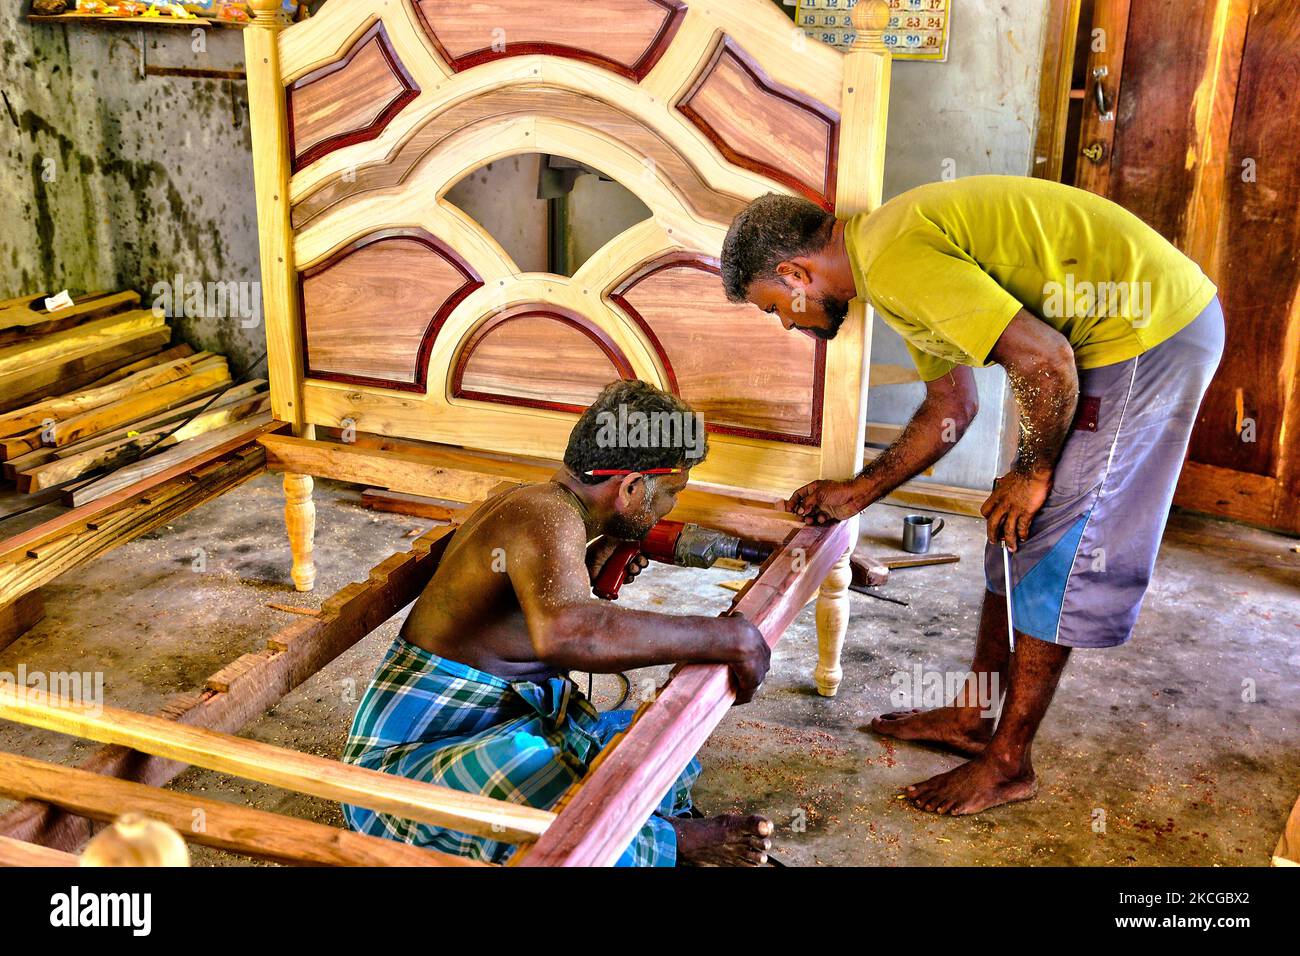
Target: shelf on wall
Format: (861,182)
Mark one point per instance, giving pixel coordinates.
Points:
(134,21)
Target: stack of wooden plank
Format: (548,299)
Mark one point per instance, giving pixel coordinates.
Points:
(87,390)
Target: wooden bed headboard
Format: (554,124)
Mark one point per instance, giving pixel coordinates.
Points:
(388,306)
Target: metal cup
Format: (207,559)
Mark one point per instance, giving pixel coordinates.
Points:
(918,530)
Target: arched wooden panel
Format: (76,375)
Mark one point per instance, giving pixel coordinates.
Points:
(370,313)
(538,356)
(734,363)
(625,36)
(763,126)
(502,104)
(348,101)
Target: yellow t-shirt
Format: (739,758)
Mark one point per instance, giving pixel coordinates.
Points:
(949,264)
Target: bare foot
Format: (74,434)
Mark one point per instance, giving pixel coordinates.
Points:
(729,839)
(950,728)
(971,788)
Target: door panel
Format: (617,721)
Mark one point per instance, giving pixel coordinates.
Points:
(1201,146)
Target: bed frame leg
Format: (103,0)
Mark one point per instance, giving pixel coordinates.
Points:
(300,521)
(832,623)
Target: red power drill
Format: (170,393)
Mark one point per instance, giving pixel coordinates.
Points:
(684,545)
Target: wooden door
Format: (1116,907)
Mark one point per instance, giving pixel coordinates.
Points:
(1185,112)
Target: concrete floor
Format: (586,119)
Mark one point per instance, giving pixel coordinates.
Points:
(1155,739)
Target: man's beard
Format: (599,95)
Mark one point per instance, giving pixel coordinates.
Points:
(634,527)
(837,310)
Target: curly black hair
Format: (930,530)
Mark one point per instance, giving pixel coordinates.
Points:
(674,432)
(770,230)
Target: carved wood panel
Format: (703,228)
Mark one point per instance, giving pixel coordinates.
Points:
(348,101)
(538,356)
(763,126)
(625,36)
(733,362)
(371,312)
(493,106)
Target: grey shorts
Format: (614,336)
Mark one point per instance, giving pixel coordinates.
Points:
(1080,577)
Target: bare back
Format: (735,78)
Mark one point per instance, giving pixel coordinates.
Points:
(470,612)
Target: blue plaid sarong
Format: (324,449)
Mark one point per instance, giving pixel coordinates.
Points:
(443,722)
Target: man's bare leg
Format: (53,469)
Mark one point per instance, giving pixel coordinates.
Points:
(1003,773)
(728,839)
(965,725)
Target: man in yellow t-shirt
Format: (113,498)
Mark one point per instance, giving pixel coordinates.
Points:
(1109,337)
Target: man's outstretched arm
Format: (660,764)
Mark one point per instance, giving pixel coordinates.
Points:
(571,629)
(1041,371)
(950,405)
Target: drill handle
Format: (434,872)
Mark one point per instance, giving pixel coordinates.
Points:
(611,577)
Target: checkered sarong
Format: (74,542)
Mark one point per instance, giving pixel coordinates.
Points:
(439,721)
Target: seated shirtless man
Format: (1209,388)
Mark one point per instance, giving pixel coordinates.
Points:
(475,695)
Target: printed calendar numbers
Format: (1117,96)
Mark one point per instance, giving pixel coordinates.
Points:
(917,30)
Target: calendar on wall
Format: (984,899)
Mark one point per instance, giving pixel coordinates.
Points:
(918,29)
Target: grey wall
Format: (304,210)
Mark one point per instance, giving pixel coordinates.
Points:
(152,176)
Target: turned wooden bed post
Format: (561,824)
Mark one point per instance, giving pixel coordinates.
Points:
(859,185)
(266,109)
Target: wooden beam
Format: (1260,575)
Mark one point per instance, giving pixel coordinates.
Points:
(78,368)
(21,853)
(607,808)
(125,449)
(1054,87)
(237,393)
(295,653)
(226,826)
(402,503)
(141,470)
(94,333)
(936,497)
(278,766)
(19,616)
(456,475)
(77,536)
(18,313)
(73,403)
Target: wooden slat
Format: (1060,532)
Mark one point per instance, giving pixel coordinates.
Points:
(20,853)
(77,368)
(40,554)
(19,314)
(265,763)
(613,802)
(65,406)
(95,332)
(399,502)
(226,826)
(936,497)
(185,457)
(305,647)
(103,455)
(150,402)
(458,475)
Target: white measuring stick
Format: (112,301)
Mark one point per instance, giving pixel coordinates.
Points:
(1006,572)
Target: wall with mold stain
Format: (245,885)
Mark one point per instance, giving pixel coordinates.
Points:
(110,180)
